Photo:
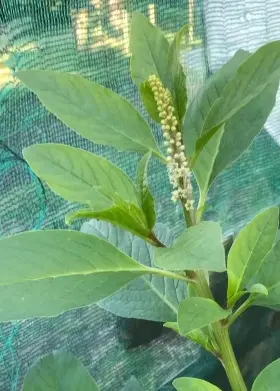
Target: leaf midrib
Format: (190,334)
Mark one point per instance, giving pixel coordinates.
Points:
(162,297)
(125,270)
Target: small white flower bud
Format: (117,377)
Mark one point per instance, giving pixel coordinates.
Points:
(178,136)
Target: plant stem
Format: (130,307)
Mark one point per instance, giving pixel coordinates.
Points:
(187,215)
(235,298)
(227,356)
(240,310)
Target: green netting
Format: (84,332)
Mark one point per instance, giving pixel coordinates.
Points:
(90,37)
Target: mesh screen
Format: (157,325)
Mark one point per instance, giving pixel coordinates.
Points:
(90,37)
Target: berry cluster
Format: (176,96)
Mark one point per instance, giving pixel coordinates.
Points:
(179,172)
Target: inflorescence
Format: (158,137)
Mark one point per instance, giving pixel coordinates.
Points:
(178,167)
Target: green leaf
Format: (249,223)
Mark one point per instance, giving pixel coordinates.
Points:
(132,385)
(178,77)
(147,200)
(197,312)
(258,289)
(249,249)
(149,49)
(123,214)
(201,338)
(59,372)
(268,275)
(200,107)
(204,164)
(197,248)
(253,76)
(172,326)
(47,272)
(241,129)
(152,55)
(269,378)
(197,335)
(93,111)
(80,176)
(151,297)
(228,143)
(149,102)
(215,151)
(192,384)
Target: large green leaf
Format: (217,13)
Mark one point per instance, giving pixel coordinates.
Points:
(232,139)
(197,248)
(269,378)
(249,249)
(269,276)
(47,272)
(149,49)
(122,214)
(80,176)
(177,75)
(93,111)
(201,105)
(197,312)
(192,384)
(214,153)
(147,200)
(59,372)
(243,127)
(150,297)
(152,55)
(251,78)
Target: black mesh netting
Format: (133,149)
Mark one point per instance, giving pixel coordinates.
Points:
(90,37)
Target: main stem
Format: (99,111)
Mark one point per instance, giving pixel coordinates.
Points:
(220,331)
(228,358)
(221,335)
